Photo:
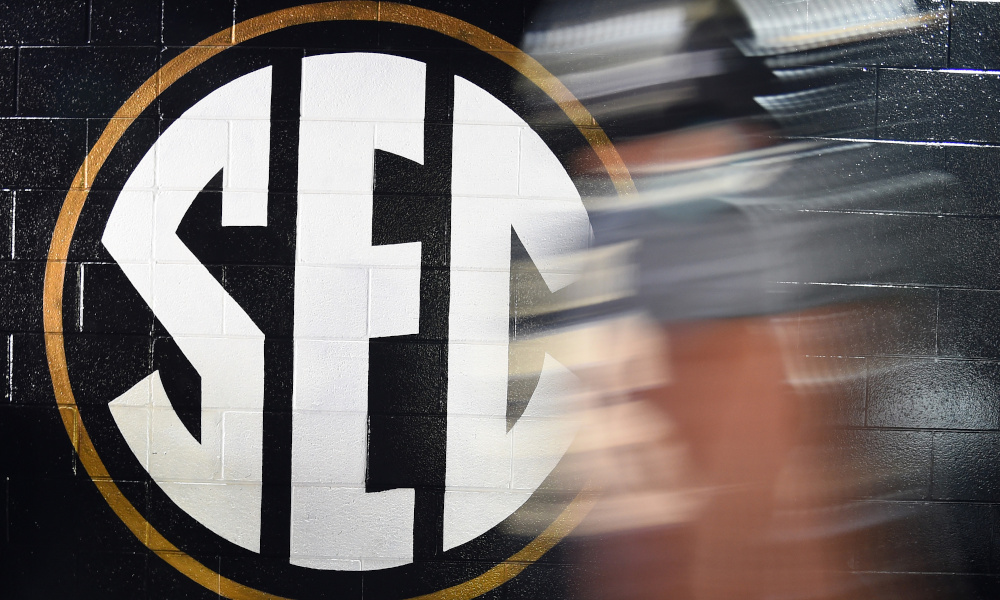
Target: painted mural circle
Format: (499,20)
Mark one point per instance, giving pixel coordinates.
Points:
(244,195)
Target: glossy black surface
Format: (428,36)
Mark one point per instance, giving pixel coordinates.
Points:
(924,105)
(965,466)
(917,430)
(44,22)
(975,27)
(80,82)
(966,330)
(888,465)
(125,23)
(933,394)
(41,153)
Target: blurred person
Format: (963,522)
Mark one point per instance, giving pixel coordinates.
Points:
(706,370)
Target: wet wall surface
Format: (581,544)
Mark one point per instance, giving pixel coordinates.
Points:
(921,428)
(918,428)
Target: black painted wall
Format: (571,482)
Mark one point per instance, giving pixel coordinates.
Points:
(923,426)
(920,432)
(66,68)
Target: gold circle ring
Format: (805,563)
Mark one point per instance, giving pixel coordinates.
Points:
(62,237)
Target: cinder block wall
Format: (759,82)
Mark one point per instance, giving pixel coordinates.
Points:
(923,425)
(921,432)
(67,66)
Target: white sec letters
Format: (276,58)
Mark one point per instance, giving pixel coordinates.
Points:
(216,481)
(347,291)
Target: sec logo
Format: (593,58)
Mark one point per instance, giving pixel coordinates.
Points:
(301,298)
